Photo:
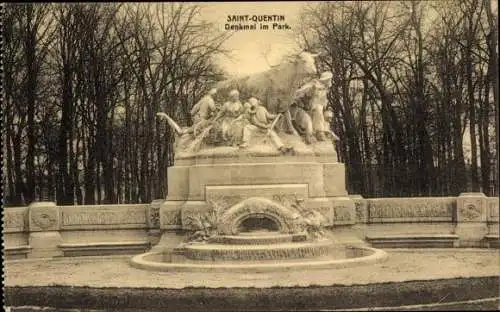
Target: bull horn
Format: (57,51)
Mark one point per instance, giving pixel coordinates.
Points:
(171,122)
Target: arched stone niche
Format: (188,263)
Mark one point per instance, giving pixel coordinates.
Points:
(258,222)
(245,216)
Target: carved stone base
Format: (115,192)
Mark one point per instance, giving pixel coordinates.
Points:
(260,145)
(337,211)
(244,188)
(319,176)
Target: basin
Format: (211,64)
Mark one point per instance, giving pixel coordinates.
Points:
(258,252)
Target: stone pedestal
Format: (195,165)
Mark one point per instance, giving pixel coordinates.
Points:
(267,186)
(44,223)
(471,219)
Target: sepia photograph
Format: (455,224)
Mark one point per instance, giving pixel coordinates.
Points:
(250,156)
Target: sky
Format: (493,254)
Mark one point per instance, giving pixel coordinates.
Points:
(248,46)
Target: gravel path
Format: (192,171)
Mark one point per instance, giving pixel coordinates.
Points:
(114,271)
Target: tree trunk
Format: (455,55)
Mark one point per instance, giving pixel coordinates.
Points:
(493,78)
(30,91)
(472,123)
(63,184)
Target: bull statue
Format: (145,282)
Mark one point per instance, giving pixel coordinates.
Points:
(276,87)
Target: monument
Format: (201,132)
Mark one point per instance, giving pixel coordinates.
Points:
(257,180)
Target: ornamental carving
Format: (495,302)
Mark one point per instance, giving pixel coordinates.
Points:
(154,217)
(223,202)
(342,213)
(287,200)
(172,216)
(470,212)
(44,218)
(361,211)
(14,219)
(411,208)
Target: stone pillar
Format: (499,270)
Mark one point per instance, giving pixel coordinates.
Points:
(44,224)
(344,221)
(362,212)
(170,225)
(471,219)
(153,219)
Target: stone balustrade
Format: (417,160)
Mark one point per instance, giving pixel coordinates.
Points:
(44,229)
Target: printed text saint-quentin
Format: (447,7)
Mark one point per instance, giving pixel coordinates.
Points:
(255,18)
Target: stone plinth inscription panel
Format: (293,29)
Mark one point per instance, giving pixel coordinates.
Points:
(425,209)
(255,174)
(100,216)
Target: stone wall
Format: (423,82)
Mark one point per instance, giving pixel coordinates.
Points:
(469,220)
(46,230)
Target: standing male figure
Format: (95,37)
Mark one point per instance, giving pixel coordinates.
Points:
(312,98)
(259,122)
(328,130)
(202,111)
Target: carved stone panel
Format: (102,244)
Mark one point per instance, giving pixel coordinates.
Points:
(190,210)
(327,213)
(226,196)
(472,207)
(471,211)
(170,215)
(153,213)
(411,209)
(342,214)
(104,216)
(15,219)
(344,211)
(43,216)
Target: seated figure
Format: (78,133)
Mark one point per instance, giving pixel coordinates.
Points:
(230,113)
(259,119)
(202,111)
